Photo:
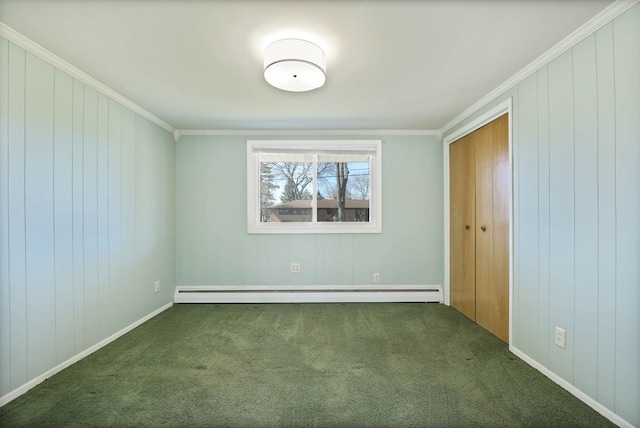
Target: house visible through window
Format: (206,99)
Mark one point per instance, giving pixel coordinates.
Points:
(314,186)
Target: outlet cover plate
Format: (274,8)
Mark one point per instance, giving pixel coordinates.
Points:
(561,337)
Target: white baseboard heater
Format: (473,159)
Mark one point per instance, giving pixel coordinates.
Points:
(307,293)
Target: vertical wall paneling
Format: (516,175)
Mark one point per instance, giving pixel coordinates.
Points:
(234,257)
(145,217)
(207,210)
(264,258)
(77,215)
(275,261)
(370,264)
(285,257)
(345,252)
(586,106)
(606,218)
(320,260)
(202,206)
(190,168)
(129,280)
(404,171)
(155,207)
(116,289)
(252,258)
(216,250)
(360,254)
(515,226)
(293,250)
(544,329)
(168,244)
(390,210)
(90,214)
(68,195)
(5,295)
(515,294)
(586,215)
(362,259)
(237,199)
(63,218)
(332,259)
(411,265)
(102,195)
(376,261)
(163,173)
(39,215)
(428,253)
(308,255)
(417,167)
(561,208)
(210,211)
(626,36)
(213,168)
(17,250)
(528,216)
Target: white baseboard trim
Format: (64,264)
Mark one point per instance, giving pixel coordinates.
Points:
(307,293)
(609,414)
(39,379)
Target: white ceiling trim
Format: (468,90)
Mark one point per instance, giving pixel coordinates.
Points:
(591,26)
(32,47)
(298,132)
(47,56)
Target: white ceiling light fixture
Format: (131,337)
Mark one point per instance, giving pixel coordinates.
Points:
(294,65)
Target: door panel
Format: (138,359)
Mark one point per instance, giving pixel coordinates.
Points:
(462,226)
(500,236)
(479,197)
(492,245)
(484,226)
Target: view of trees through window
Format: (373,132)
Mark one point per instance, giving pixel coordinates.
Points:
(341,190)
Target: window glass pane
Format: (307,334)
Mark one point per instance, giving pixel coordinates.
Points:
(285,191)
(343,188)
(314,186)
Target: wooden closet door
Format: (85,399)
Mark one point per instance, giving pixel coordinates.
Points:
(492,227)
(462,226)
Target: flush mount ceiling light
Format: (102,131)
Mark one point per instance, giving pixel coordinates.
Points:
(294,65)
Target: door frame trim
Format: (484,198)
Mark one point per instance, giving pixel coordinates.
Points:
(487,117)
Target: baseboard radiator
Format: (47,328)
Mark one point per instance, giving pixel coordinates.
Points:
(307,293)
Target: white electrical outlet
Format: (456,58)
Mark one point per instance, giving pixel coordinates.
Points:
(157,287)
(561,337)
(376,277)
(295,268)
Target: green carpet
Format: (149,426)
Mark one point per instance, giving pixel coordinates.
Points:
(293,365)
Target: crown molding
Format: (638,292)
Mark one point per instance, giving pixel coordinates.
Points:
(298,132)
(591,26)
(32,47)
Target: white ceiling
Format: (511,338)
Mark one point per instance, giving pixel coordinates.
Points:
(394,65)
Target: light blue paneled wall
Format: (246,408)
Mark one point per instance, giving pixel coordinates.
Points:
(576,148)
(215,249)
(87,219)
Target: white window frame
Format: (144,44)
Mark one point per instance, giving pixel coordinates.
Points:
(374,147)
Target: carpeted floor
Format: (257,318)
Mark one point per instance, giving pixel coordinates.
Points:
(293,365)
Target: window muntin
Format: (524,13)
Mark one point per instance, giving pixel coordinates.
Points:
(314,186)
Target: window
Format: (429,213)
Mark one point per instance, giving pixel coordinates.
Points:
(314,186)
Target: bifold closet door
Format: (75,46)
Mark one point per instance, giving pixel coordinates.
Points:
(479,226)
(492,227)
(462,226)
